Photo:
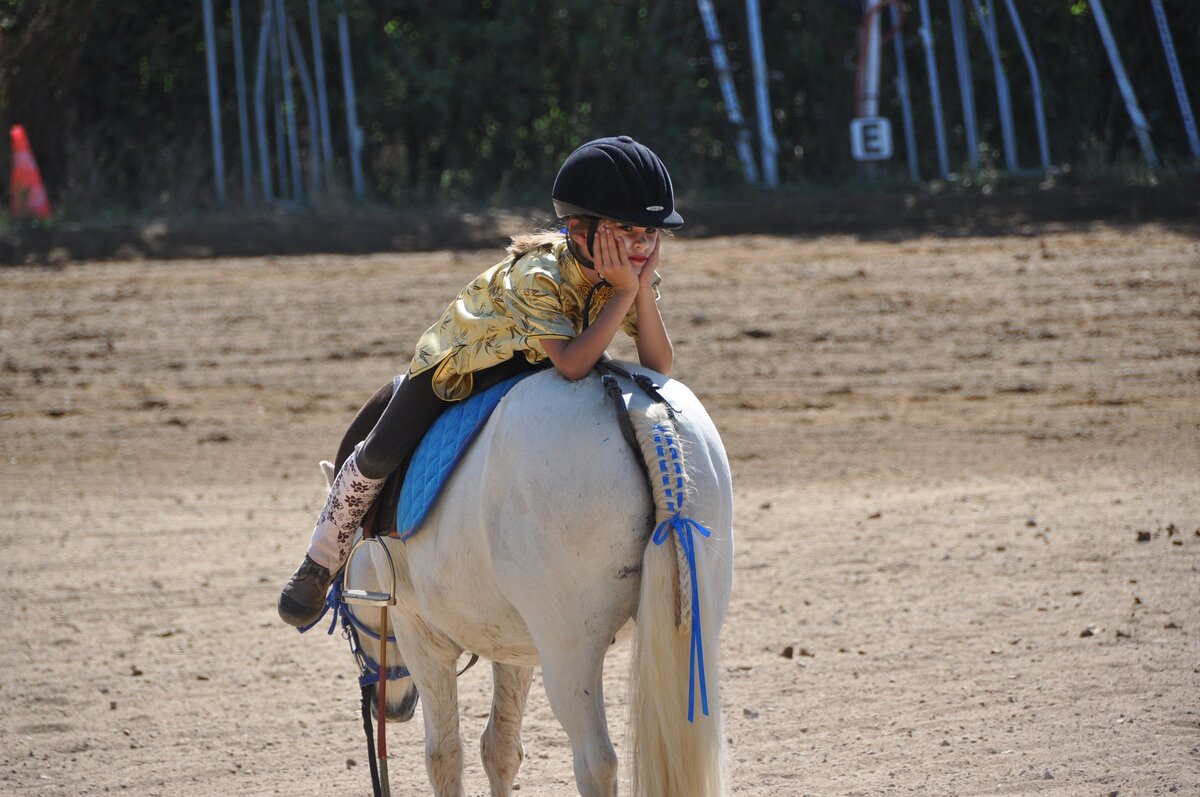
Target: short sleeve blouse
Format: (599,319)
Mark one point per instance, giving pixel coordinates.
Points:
(508,310)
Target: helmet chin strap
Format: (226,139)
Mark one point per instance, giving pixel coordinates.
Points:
(573,248)
(576,252)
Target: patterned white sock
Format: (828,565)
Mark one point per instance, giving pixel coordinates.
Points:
(349,499)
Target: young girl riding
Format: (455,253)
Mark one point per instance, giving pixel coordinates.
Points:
(556,296)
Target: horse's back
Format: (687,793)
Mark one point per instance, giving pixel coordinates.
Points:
(540,533)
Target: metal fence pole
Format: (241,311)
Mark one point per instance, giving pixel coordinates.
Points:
(935,91)
(962,58)
(322,101)
(239,69)
(766,127)
(867,88)
(1185,106)
(289,101)
(910,139)
(281,152)
(991,37)
(260,106)
(354,134)
(1038,107)
(310,100)
(1140,127)
(733,109)
(214,104)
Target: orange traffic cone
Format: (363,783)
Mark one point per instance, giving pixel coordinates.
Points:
(28,193)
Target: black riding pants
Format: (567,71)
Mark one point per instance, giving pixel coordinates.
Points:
(412,410)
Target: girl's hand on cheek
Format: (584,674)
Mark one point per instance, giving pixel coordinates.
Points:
(612,263)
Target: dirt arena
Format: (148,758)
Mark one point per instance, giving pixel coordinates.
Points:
(967,474)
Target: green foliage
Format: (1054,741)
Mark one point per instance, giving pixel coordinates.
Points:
(479,100)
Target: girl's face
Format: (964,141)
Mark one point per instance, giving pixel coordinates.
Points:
(637,242)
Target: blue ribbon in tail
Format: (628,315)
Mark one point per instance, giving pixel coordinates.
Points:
(683,528)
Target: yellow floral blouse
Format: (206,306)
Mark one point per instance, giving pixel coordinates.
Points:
(507,309)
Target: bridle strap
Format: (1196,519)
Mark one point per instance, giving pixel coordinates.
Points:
(351,627)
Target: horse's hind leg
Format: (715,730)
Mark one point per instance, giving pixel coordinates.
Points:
(575,689)
(500,745)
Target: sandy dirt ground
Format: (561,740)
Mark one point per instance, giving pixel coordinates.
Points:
(967,474)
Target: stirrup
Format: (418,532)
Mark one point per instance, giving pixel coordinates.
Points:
(363,597)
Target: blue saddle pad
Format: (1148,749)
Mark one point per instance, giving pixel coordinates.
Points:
(439,452)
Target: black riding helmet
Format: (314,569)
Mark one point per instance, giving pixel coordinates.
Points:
(616,178)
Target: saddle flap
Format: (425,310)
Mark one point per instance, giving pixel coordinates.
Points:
(380,520)
(437,455)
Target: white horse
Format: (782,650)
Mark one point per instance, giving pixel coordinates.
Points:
(538,552)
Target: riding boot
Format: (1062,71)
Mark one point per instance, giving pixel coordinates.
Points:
(350,497)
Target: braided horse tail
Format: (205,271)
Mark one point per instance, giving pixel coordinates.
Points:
(675,705)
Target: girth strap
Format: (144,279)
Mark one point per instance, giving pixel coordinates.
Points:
(608,367)
(612,388)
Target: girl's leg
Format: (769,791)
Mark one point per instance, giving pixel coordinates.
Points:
(409,413)
(350,495)
(412,410)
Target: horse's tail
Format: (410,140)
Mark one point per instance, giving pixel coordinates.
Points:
(675,699)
